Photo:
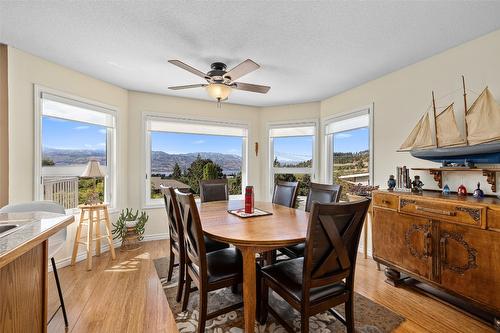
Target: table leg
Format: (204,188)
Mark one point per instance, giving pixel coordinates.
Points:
(249,288)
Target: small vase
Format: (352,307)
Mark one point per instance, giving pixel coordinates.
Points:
(478,193)
(462,190)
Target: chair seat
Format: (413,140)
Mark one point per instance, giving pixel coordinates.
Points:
(288,275)
(224,264)
(297,249)
(213,245)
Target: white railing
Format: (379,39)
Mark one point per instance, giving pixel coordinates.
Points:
(63,190)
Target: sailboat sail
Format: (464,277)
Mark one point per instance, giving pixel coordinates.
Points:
(424,137)
(410,140)
(483,119)
(447,132)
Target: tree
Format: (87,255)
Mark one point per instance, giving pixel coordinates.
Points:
(209,171)
(48,162)
(195,173)
(176,173)
(235,184)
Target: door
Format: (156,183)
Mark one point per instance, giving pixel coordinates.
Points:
(469,260)
(403,240)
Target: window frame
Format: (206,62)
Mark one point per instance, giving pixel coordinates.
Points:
(328,147)
(146,200)
(313,170)
(111,140)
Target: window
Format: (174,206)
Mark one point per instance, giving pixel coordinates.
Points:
(349,153)
(292,150)
(181,152)
(70,133)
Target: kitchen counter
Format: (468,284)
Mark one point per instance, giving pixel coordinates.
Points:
(23,269)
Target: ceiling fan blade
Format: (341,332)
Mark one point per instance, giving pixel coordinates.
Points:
(184,66)
(188,86)
(251,87)
(244,68)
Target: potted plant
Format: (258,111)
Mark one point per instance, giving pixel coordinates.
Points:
(130,228)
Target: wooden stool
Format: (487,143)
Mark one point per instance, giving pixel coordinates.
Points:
(90,215)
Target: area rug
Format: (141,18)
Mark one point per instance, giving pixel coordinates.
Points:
(369,317)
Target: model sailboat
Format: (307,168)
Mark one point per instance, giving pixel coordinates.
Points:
(437,138)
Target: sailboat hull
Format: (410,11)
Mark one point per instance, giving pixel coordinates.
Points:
(484,153)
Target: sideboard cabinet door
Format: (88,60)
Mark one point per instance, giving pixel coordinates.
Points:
(469,262)
(403,240)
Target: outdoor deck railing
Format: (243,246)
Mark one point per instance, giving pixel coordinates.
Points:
(63,190)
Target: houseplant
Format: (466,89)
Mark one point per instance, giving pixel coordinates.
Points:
(130,228)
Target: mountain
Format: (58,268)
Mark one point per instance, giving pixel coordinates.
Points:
(65,157)
(162,162)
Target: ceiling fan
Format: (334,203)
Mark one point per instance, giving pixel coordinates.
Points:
(221,82)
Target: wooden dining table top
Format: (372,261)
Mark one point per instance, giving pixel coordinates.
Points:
(286,226)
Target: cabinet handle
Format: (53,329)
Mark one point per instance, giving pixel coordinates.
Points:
(435,211)
(442,250)
(427,243)
(386,202)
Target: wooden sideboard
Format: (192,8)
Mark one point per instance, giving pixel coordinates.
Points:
(450,243)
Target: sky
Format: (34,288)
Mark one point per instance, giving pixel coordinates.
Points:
(181,143)
(67,134)
(351,141)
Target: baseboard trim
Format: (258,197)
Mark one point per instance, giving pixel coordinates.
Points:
(82,255)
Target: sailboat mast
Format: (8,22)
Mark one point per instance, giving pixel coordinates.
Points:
(465,112)
(435,125)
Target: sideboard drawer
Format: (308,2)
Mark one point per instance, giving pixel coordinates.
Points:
(383,200)
(452,212)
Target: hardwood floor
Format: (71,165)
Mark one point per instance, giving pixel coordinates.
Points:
(125,295)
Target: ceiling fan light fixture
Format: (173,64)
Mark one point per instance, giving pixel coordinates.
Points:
(218,91)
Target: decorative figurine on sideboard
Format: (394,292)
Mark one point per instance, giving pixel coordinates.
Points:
(478,193)
(417,185)
(391,183)
(462,190)
(446,190)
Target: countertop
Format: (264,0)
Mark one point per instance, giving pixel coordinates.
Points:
(34,228)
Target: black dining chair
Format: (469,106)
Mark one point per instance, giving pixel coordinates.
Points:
(322,193)
(214,190)
(209,271)
(324,277)
(176,244)
(285,193)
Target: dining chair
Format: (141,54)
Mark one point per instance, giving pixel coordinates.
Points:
(322,193)
(55,242)
(324,277)
(285,193)
(214,190)
(209,271)
(176,244)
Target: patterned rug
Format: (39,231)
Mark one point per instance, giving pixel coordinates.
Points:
(369,317)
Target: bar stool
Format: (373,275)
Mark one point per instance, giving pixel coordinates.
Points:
(91,216)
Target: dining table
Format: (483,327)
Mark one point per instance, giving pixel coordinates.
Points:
(251,235)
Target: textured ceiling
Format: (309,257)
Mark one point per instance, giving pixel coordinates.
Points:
(308,50)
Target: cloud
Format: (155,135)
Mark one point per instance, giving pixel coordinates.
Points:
(79,128)
(198,142)
(342,136)
(103,131)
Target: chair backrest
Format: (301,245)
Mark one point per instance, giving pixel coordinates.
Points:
(214,190)
(285,193)
(34,206)
(322,193)
(174,218)
(193,233)
(56,241)
(332,243)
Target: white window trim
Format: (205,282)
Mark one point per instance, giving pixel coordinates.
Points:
(328,149)
(111,155)
(147,202)
(313,171)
